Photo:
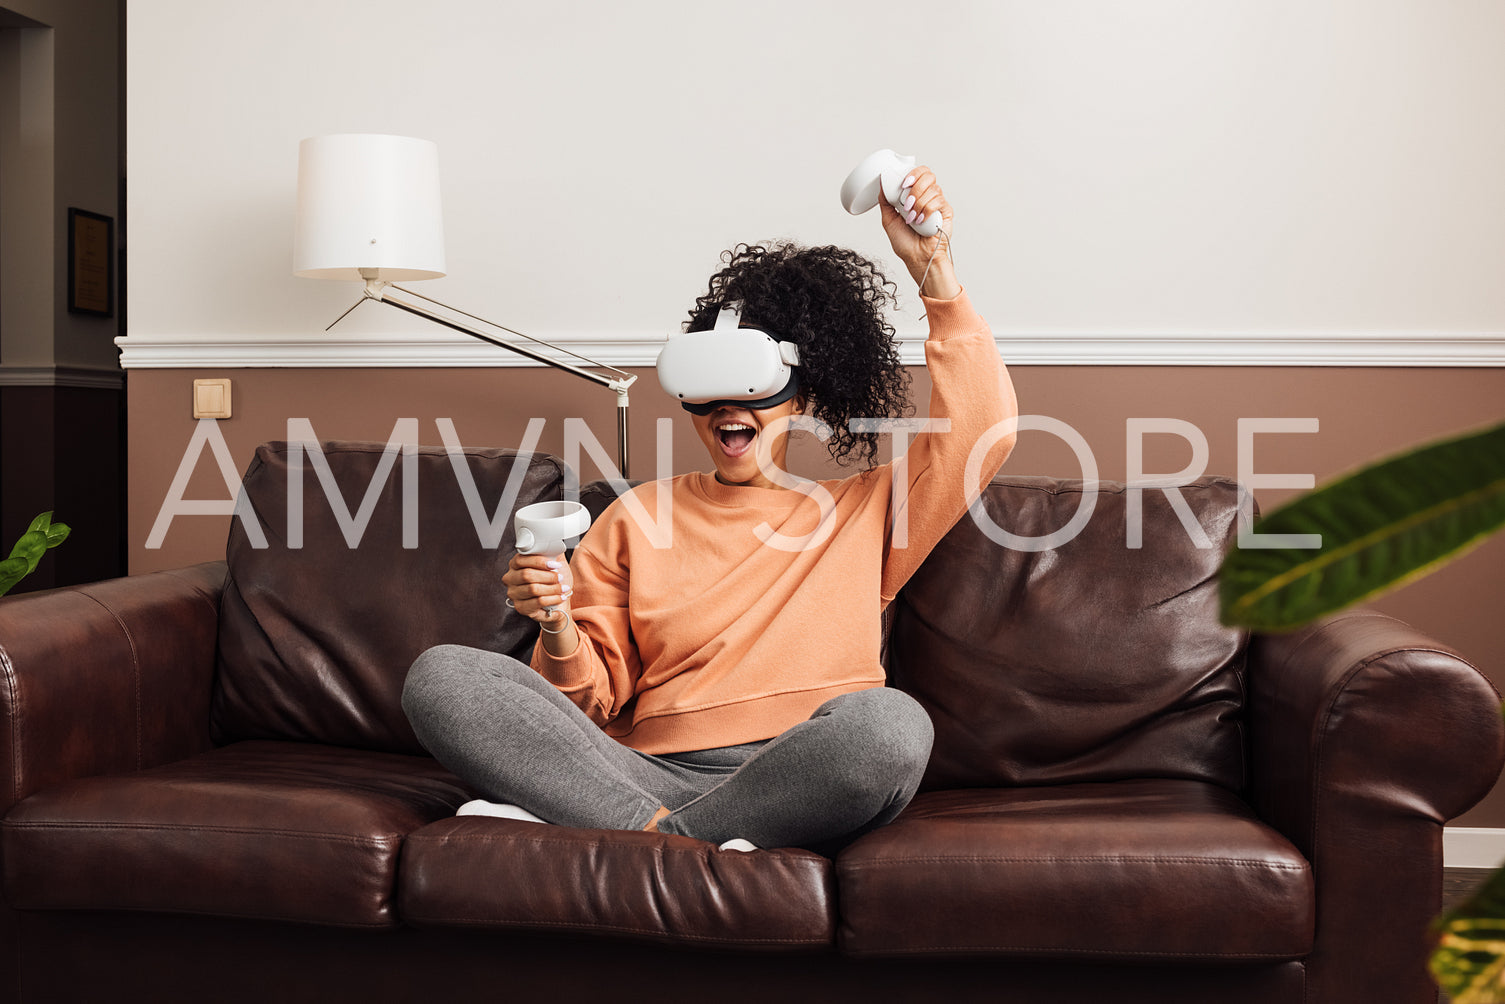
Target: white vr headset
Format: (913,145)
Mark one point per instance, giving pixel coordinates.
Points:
(729,365)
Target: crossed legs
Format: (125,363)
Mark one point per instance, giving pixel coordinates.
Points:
(509,733)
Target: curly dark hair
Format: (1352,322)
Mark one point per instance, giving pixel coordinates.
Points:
(830,302)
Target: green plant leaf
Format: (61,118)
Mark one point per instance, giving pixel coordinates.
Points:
(1381,527)
(30,548)
(12,570)
(41,535)
(1468,959)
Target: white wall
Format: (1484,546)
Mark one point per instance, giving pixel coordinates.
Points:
(1156,166)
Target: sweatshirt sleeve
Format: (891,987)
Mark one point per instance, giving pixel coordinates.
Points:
(971,390)
(601,675)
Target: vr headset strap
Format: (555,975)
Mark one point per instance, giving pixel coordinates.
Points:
(730,315)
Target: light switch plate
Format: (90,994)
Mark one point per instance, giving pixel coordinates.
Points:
(211,398)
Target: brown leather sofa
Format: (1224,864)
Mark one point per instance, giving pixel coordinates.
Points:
(211,793)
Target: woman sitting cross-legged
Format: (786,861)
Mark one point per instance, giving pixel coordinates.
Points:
(728,686)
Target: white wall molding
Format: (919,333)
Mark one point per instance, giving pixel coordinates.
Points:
(1255,349)
(1473,846)
(629,349)
(440,349)
(61,376)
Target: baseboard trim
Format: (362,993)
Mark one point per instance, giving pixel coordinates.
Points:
(1473,846)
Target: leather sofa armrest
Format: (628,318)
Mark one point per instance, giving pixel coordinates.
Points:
(1365,736)
(1363,710)
(107,677)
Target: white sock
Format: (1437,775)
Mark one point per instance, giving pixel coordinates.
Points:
(481,807)
(738,844)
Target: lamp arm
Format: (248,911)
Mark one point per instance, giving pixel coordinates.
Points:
(377,290)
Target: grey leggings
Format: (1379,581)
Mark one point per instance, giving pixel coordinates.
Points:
(509,733)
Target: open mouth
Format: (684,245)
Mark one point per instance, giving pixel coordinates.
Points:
(736,438)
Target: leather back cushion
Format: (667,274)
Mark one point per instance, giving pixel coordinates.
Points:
(1088,661)
(315,641)
(596,496)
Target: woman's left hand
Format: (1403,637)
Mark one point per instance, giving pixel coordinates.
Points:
(920,254)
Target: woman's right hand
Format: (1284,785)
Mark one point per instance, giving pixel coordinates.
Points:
(536,582)
(928,259)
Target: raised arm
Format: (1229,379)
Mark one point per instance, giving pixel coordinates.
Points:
(972,402)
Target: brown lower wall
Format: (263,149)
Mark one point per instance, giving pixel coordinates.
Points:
(1362,413)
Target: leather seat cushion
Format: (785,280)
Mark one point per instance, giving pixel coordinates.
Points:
(266,830)
(484,872)
(1151,869)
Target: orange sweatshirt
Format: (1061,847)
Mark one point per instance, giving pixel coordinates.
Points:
(729,635)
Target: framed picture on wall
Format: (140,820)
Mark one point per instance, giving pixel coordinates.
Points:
(91,263)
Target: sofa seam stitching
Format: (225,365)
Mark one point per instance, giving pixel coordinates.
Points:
(281,918)
(1058,952)
(43,824)
(135,663)
(1318,765)
(12,684)
(198,590)
(503,838)
(470,921)
(1081,859)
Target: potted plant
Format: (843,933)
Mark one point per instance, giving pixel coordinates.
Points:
(39,538)
(1383,526)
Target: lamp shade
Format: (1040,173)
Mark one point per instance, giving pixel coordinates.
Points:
(368,208)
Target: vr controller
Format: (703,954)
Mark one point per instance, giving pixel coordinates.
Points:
(549,527)
(883,174)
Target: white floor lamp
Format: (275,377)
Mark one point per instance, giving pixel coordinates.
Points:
(369,211)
